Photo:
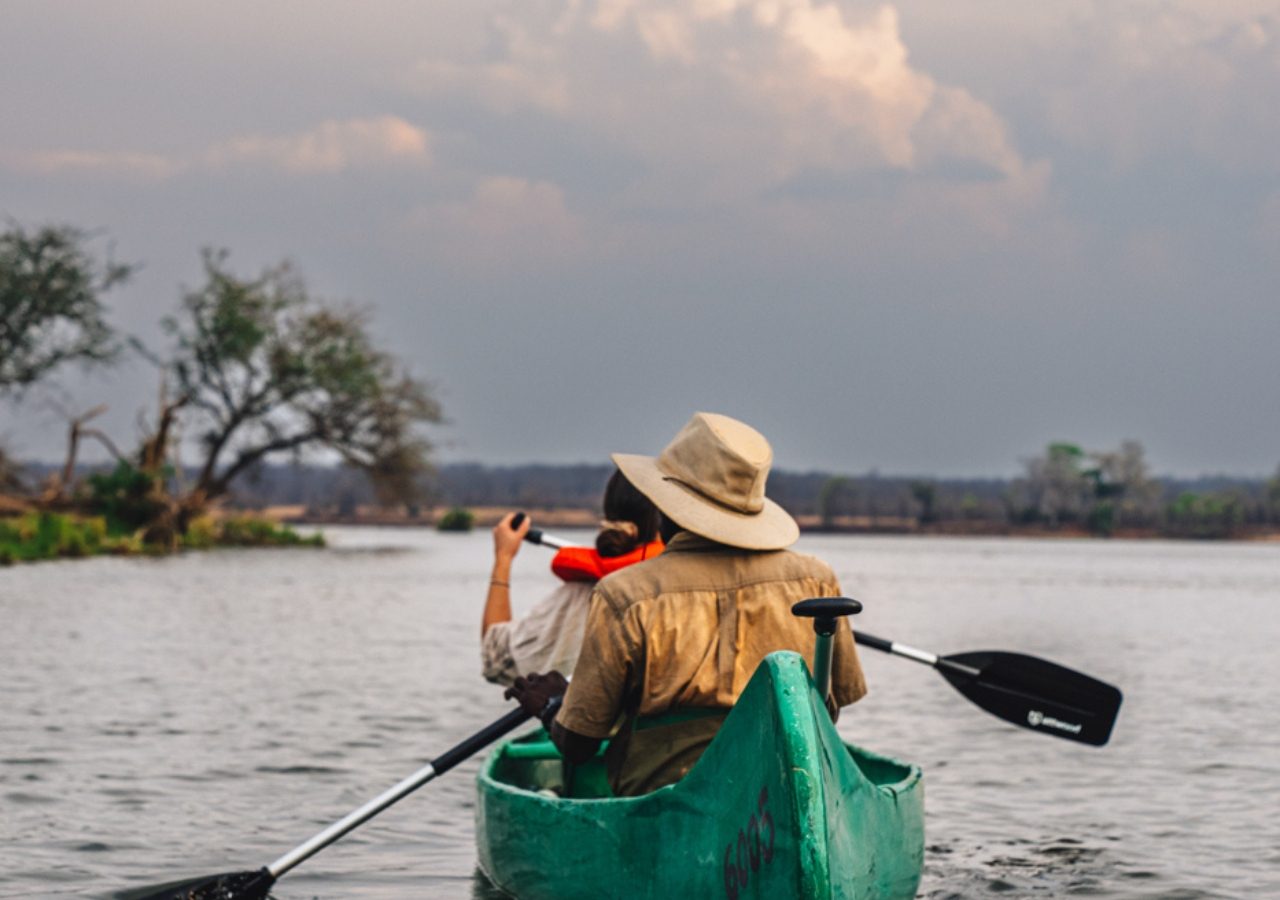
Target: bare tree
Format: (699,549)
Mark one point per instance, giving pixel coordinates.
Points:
(1055,487)
(58,490)
(1123,478)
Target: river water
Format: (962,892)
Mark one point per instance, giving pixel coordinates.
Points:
(208,712)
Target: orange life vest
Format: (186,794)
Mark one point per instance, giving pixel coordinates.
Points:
(586,563)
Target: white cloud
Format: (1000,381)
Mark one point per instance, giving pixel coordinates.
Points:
(332,146)
(504,220)
(131,166)
(1173,79)
(521,71)
(735,95)
(501,86)
(688,111)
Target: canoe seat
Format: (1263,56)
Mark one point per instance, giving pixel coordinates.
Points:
(534,764)
(531,750)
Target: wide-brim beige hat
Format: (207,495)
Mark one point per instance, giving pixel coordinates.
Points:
(710,480)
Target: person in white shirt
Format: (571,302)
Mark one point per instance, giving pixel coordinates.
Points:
(549,637)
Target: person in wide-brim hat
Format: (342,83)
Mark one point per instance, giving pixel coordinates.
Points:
(710,480)
(671,642)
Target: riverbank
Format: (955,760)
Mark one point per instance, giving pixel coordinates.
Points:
(551,519)
(35,536)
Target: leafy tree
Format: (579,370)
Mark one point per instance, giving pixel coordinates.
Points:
(50,306)
(261,369)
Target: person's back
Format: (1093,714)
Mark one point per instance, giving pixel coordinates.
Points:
(670,643)
(678,638)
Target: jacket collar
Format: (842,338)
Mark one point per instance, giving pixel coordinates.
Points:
(688,542)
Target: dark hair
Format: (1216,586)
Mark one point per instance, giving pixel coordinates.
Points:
(667,529)
(623,503)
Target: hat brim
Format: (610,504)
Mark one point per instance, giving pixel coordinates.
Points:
(770,529)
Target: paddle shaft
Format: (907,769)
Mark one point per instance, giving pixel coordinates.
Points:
(921,656)
(538,536)
(438,766)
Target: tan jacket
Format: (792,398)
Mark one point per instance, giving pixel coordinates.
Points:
(685,631)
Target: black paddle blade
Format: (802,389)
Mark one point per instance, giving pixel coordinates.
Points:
(228,886)
(1036,694)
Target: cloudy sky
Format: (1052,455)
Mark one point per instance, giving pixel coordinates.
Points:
(919,237)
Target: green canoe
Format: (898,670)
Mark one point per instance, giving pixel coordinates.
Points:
(778,807)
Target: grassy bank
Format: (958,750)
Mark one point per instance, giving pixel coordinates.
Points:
(48,535)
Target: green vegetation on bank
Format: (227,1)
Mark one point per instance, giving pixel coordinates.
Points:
(46,535)
(243,531)
(252,368)
(457,519)
(51,535)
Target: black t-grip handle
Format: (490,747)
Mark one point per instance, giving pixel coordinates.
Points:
(533,535)
(826,610)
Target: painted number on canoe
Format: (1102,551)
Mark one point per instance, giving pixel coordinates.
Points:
(752,849)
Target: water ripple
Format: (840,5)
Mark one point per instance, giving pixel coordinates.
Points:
(153,703)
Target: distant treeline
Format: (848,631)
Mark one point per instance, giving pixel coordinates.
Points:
(1060,490)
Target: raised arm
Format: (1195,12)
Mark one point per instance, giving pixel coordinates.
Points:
(506,544)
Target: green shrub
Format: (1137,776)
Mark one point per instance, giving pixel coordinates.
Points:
(9,534)
(9,538)
(456,519)
(250,532)
(48,535)
(1101,520)
(1204,516)
(126,498)
(202,534)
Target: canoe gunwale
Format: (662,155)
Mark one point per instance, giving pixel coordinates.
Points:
(846,821)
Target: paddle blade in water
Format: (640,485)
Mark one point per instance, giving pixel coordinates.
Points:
(1036,694)
(228,886)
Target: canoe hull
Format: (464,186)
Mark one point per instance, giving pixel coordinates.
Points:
(778,806)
